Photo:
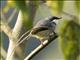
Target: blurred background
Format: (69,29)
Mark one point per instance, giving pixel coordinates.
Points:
(36,10)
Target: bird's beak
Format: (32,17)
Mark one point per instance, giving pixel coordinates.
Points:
(54,18)
(57,18)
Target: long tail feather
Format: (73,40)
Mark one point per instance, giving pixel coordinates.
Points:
(18,43)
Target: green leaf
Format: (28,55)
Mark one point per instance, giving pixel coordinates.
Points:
(70,40)
(28,11)
(77,5)
(60,5)
(20,4)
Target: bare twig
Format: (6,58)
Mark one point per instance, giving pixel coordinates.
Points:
(6,29)
(40,47)
(4,26)
(15,34)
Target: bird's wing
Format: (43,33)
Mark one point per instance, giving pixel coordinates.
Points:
(36,30)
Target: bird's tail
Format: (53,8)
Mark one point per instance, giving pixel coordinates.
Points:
(19,42)
(25,38)
(26,33)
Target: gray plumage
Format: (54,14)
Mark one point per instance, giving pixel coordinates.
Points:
(45,24)
(41,30)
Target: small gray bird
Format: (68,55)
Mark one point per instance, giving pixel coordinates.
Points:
(43,29)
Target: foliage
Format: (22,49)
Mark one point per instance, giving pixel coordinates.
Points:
(68,30)
(70,40)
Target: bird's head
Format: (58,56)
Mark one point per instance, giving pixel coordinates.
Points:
(55,18)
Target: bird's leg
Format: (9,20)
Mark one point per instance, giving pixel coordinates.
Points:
(52,33)
(41,41)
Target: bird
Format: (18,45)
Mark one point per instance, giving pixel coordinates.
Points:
(43,29)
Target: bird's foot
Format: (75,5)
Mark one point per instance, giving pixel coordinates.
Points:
(41,41)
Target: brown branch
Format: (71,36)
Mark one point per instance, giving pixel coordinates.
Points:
(40,47)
